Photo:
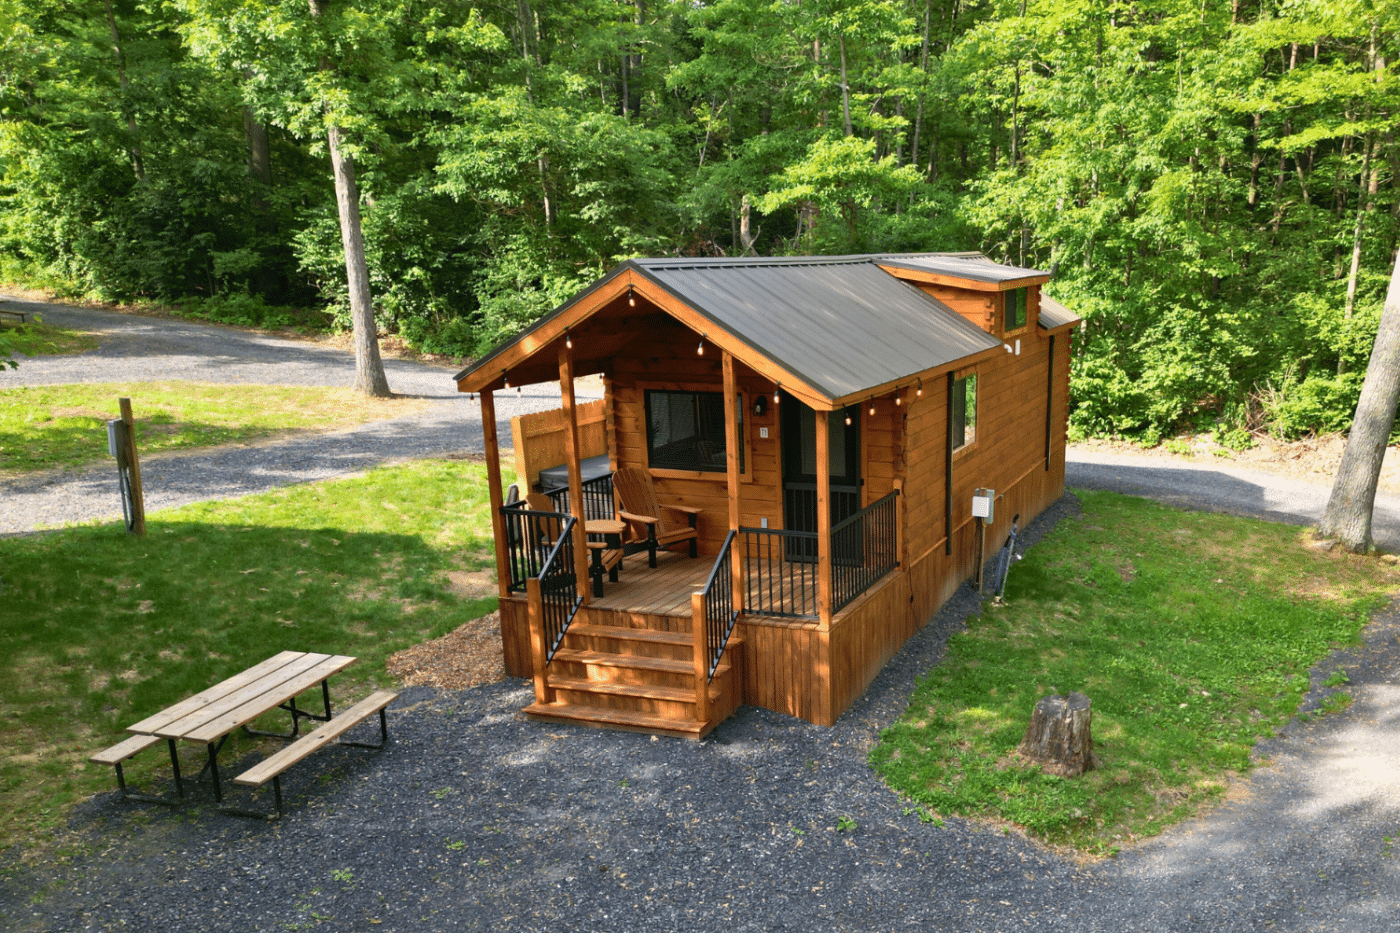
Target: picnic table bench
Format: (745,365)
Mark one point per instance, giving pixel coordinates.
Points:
(16,312)
(210,716)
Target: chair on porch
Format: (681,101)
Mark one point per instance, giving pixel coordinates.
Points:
(648,529)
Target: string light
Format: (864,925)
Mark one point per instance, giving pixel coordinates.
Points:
(700,350)
(775,392)
(920,393)
(505,378)
(872,405)
(631,298)
(568,340)
(848,416)
(898,399)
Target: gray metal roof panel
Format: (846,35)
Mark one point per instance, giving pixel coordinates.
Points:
(1053,314)
(840,323)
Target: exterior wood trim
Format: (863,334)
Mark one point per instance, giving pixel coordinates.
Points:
(940,278)
(823,432)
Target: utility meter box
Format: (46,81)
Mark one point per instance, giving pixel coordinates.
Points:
(982,501)
(116,440)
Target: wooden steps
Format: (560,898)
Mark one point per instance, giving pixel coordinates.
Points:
(635,679)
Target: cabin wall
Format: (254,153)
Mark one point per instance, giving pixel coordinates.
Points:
(664,357)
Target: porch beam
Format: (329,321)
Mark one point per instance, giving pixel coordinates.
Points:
(731,458)
(823,426)
(493,482)
(571,448)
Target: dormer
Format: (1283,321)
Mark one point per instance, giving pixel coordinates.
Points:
(1002,300)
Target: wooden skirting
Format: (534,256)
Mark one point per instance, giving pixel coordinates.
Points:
(793,666)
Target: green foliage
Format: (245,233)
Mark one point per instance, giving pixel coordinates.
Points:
(1196,185)
(1192,635)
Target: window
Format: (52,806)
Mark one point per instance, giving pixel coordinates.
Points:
(685,431)
(1015,309)
(964,411)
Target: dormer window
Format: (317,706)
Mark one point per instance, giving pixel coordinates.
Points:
(1016,311)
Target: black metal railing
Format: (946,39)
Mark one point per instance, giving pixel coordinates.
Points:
(597,498)
(800,511)
(864,548)
(720,614)
(779,580)
(529,538)
(559,593)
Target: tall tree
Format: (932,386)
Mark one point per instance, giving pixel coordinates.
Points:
(327,74)
(1349,508)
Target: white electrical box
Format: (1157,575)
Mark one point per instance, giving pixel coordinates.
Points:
(763,432)
(982,501)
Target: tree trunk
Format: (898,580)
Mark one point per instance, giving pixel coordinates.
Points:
(1059,737)
(369,368)
(1348,515)
(845,88)
(138,163)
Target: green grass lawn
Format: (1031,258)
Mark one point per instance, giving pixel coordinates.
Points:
(35,338)
(42,427)
(99,629)
(1191,633)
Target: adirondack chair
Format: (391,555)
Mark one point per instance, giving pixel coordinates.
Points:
(649,530)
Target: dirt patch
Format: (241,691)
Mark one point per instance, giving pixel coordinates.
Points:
(466,657)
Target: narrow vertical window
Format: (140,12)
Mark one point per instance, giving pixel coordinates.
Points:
(1015,309)
(964,411)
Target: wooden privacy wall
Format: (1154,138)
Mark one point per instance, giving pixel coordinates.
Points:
(540,439)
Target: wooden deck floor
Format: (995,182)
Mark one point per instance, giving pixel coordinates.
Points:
(666,590)
(663,591)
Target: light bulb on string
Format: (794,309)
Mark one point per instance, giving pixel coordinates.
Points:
(700,350)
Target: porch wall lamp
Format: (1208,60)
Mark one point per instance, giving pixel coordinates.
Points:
(760,405)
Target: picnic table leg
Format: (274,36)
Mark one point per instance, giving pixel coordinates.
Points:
(175,766)
(214,771)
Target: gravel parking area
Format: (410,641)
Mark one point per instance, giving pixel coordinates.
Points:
(474,818)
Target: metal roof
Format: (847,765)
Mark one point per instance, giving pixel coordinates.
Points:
(973,266)
(840,323)
(1053,314)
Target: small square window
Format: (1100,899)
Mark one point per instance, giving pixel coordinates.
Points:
(964,411)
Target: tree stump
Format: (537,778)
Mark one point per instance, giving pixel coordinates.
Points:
(1059,738)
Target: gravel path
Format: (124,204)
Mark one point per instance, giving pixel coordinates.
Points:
(136,348)
(473,818)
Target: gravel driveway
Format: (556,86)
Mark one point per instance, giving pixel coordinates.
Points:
(473,818)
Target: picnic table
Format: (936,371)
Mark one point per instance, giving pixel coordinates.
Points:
(211,716)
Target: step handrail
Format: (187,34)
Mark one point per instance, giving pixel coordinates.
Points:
(717,612)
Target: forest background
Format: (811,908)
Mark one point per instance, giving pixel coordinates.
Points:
(1213,184)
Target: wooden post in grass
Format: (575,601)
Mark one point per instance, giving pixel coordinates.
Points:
(138,501)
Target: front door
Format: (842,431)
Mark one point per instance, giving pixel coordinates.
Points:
(799,426)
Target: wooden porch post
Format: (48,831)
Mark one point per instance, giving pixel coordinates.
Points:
(823,426)
(702,660)
(543,693)
(493,480)
(732,440)
(571,444)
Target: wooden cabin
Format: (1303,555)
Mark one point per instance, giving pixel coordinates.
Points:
(811,432)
